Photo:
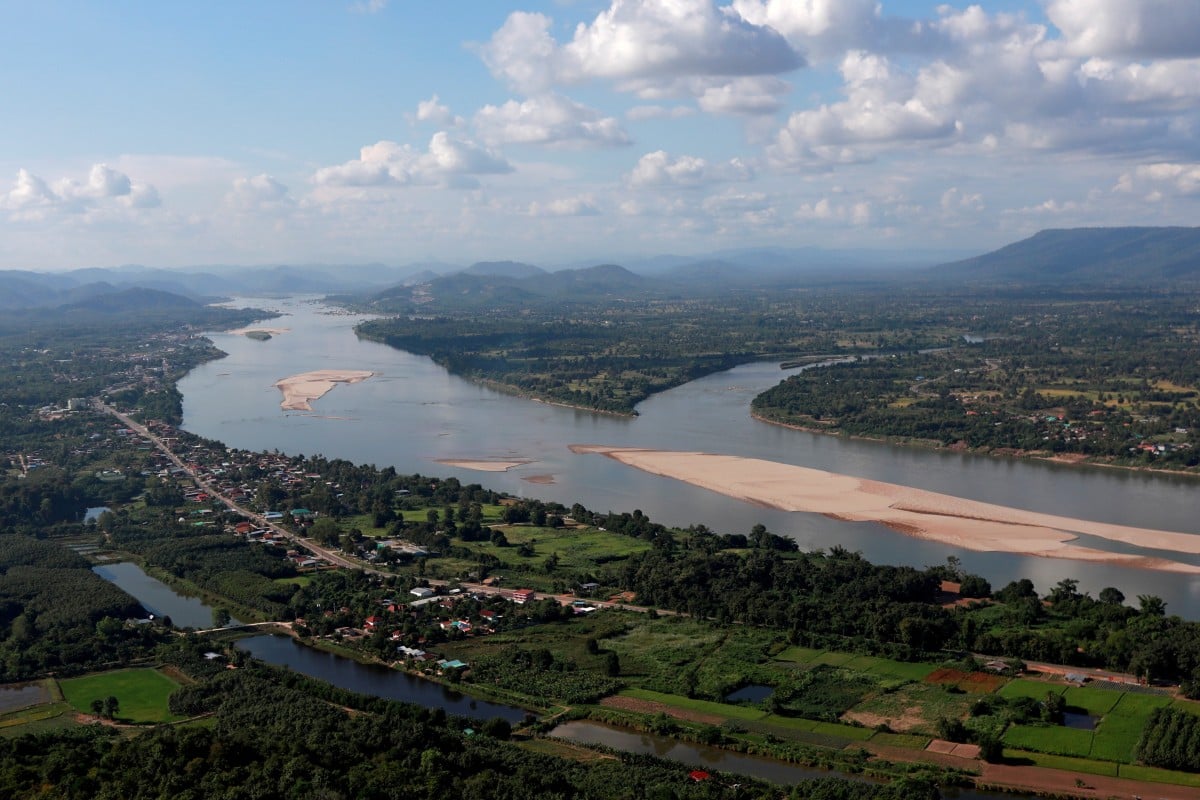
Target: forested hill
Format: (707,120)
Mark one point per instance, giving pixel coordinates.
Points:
(1088,256)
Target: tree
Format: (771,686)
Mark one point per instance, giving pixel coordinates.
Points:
(97,707)
(221,617)
(1152,605)
(1112,596)
(111,706)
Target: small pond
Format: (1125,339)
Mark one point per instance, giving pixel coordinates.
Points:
(23,695)
(1080,721)
(92,514)
(751,693)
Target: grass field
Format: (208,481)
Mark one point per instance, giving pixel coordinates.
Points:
(906,740)
(142,693)
(701,706)
(1139,773)
(1093,701)
(912,708)
(1052,739)
(1021,687)
(1087,765)
(799,655)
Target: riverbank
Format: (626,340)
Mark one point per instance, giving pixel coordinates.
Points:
(956,521)
(1067,459)
(300,391)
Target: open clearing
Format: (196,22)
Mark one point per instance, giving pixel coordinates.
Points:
(142,694)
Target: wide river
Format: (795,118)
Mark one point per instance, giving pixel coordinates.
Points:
(413,413)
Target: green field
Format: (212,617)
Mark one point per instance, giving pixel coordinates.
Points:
(1052,739)
(1093,701)
(1022,687)
(1063,762)
(142,693)
(799,655)
(1139,773)
(701,706)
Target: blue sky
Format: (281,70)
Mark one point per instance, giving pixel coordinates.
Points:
(185,133)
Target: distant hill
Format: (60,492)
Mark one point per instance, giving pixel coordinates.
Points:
(604,279)
(123,300)
(505,269)
(1087,256)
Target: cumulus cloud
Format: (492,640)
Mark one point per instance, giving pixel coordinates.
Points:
(32,197)
(1151,28)
(660,169)
(548,119)
(638,113)
(825,210)
(260,192)
(882,106)
(580,206)
(433,110)
(640,44)
(1163,178)
(447,162)
(753,95)
(818,27)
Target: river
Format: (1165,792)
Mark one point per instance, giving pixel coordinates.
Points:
(714,758)
(157,597)
(413,413)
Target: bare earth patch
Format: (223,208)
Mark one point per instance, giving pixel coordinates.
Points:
(299,391)
(484,464)
(956,521)
(651,707)
(910,720)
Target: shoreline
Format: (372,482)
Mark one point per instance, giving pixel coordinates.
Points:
(955,521)
(1064,459)
(484,464)
(300,391)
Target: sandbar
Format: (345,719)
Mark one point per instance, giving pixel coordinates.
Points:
(299,391)
(957,521)
(484,464)
(271,331)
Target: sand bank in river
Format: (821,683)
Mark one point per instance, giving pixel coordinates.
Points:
(968,524)
(484,465)
(300,390)
(271,331)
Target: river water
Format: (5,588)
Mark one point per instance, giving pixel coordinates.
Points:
(157,597)
(413,413)
(374,680)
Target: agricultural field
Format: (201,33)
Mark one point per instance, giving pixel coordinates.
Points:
(142,694)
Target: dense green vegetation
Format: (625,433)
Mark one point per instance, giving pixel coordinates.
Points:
(1171,740)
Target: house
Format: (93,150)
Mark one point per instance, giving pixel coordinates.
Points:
(522,596)
(371,622)
(421,592)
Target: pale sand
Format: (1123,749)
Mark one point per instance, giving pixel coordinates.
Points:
(272,331)
(483,465)
(300,390)
(957,521)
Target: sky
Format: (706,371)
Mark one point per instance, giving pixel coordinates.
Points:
(352,131)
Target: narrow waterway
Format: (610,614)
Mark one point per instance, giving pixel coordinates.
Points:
(413,414)
(156,597)
(371,679)
(714,758)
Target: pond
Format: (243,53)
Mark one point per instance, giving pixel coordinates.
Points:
(371,679)
(1080,721)
(90,515)
(15,697)
(156,597)
(751,693)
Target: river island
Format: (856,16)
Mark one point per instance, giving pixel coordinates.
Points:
(923,514)
(299,391)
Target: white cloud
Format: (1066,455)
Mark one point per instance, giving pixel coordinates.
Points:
(548,119)
(753,95)
(580,206)
(33,198)
(815,27)
(660,169)
(638,113)
(433,110)
(447,162)
(640,44)
(1161,179)
(259,192)
(1154,28)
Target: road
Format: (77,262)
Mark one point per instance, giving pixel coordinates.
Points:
(332,557)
